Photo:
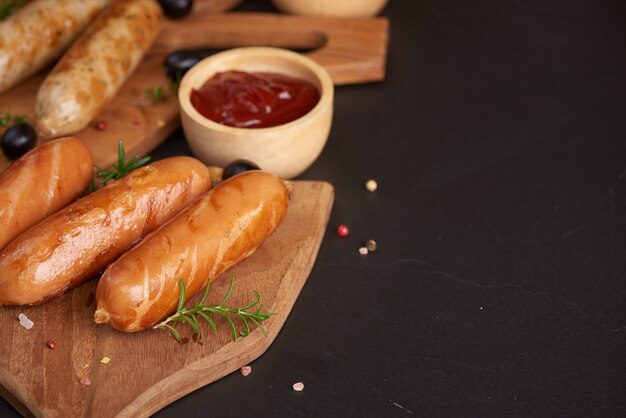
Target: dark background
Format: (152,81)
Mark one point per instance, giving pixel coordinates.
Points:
(498,140)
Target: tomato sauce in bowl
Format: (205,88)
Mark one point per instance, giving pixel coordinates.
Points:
(254,99)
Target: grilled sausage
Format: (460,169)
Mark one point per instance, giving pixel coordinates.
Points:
(81,240)
(210,236)
(36,34)
(40,183)
(96,66)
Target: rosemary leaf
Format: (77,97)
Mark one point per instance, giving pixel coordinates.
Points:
(209,320)
(182,295)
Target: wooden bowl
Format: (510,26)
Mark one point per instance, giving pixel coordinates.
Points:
(333,8)
(285,150)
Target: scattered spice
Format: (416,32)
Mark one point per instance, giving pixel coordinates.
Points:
(105,360)
(136,122)
(298,386)
(363,251)
(371,185)
(246,370)
(343,231)
(25,322)
(101,126)
(371,245)
(52,345)
(85,381)
(160,123)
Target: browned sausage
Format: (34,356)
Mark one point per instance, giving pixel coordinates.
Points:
(40,183)
(79,241)
(213,234)
(36,34)
(95,67)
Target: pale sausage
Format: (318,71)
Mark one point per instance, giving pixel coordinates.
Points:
(95,67)
(37,33)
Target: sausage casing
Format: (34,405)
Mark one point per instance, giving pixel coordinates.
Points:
(80,240)
(40,183)
(95,67)
(210,236)
(38,33)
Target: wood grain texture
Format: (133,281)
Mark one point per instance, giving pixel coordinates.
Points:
(214,6)
(352,50)
(149,370)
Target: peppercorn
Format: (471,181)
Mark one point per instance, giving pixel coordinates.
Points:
(371,185)
(343,231)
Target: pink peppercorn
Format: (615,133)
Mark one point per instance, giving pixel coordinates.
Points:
(51,344)
(343,231)
(101,126)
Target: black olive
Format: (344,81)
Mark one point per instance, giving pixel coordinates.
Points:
(17,140)
(175,9)
(177,63)
(237,167)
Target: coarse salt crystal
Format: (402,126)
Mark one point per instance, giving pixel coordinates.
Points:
(298,386)
(363,251)
(246,370)
(85,381)
(105,360)
(25,322)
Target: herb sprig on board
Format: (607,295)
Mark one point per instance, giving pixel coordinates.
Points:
(6,118)
(122,167)
(190,316)
(159,93)
(7,6)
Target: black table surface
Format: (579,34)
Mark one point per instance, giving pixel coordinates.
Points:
(498,140)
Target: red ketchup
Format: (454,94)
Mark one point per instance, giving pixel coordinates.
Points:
(254,100)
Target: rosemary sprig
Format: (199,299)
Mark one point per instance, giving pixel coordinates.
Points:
(7,117)
(122,167)
(158,93)
(209,313)
(7,6)
(175,84)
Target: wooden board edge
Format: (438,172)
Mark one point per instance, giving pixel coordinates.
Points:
(15,402)
(169,390)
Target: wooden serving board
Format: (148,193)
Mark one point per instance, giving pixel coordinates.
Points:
(352,50)
(149,369)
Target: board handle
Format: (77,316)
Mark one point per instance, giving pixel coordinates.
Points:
(352,50)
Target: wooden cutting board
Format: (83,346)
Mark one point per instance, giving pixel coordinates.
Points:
(149,369)
(352,50)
